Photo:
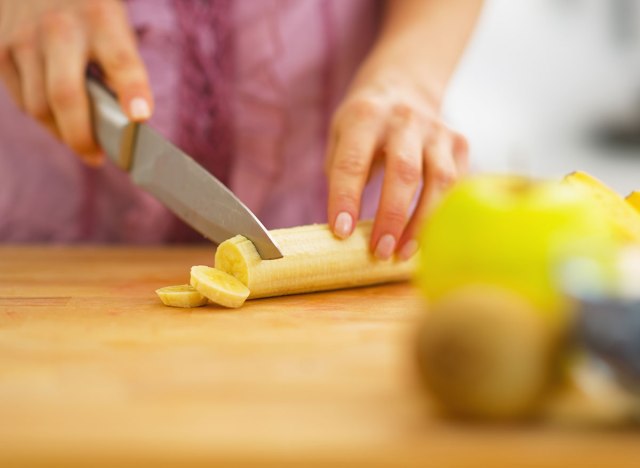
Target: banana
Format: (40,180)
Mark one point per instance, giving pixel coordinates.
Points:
(218,286)
(183,295)
(313,260)
(633,199)
(622,214)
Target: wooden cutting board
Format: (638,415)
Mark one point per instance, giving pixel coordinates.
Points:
(93,368)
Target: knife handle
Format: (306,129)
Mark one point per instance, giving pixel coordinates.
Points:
(113,130)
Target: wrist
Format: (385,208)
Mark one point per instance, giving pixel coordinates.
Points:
(386,76)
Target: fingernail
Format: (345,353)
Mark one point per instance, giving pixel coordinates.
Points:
(408,249)
(343,225)
(386,246)
(140,109)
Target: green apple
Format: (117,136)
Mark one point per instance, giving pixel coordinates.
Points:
(512,232)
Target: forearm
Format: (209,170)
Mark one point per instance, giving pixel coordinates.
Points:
(391,115)
(423,39)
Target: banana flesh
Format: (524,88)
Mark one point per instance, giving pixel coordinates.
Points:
(218,286)
(633,199)
(313,260)
(184,296)
(622,213)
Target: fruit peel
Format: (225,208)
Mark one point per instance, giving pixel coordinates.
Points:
(621,213)
(633,199)
(512,232)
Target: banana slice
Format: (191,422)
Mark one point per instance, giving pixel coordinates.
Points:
(218,286)
(183,295)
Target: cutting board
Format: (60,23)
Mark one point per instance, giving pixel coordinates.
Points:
(93,368)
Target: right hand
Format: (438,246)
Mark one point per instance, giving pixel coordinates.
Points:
(45,47)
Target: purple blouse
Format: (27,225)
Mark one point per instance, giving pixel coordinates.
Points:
(246,87)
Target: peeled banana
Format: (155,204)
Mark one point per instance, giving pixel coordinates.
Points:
(633,199)
(313,260)
(622,213)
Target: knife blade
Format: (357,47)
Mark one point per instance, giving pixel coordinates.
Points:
(173,177)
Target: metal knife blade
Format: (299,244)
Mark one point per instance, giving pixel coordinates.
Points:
(173,177)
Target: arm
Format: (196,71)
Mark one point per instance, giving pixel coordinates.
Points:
(391,116)
(425,38)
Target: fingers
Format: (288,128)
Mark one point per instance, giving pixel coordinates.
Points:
(332,142)
(440,173)
(461,153)
(422,159)
(65,57)
(10,76)
(403,176)
(355,148)
(114,48)
(29,63)
(44,60)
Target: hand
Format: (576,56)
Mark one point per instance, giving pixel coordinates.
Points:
(45,46)
(390,121)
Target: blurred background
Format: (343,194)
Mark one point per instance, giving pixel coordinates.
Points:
(551,86)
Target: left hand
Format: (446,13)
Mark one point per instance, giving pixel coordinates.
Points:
(390,121)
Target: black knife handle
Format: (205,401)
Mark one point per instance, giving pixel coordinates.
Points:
(113,130)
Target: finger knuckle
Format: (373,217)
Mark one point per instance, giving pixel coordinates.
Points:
(432,130)
(352,163)
(57,23)
(24,39)
(404,112)
(394,215)
(136,85)
(444,176)
(64,94)
(364,109)
(346,198)
(38,110)
(121,59)
(406,169)
(100,10)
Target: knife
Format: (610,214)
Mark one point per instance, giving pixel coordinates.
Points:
(173,177)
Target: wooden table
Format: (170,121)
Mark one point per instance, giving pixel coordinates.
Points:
(94,368)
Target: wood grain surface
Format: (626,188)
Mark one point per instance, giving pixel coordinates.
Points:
(93,369)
